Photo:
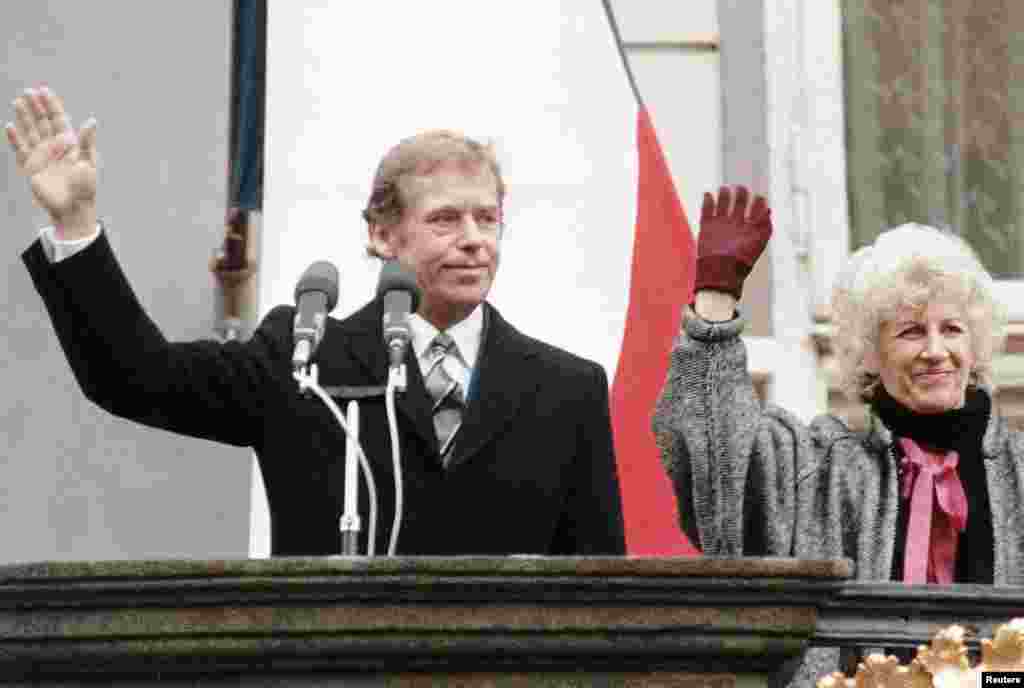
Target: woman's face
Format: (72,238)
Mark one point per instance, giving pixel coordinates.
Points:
(925,357)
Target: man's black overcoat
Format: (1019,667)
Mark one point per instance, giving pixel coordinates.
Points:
(534,470)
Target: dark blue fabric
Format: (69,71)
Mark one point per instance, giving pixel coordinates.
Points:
(248,104)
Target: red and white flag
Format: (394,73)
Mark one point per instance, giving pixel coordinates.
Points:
(597,256)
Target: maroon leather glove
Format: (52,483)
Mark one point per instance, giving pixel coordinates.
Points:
(730,240)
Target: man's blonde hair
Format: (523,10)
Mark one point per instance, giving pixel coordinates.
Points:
(418,156)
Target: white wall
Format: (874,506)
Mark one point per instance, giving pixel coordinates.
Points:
(560,113)
(672,48)
(76,483)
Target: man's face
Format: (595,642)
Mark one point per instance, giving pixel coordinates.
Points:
(449,238)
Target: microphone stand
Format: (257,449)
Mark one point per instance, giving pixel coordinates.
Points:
(350,525)
(307,379)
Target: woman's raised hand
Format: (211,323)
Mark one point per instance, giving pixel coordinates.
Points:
(733,234)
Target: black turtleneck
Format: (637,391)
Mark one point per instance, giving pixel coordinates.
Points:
(961,430)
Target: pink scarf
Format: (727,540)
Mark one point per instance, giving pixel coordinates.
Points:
(933,526)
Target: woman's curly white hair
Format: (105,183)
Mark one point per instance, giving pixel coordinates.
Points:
(911,265)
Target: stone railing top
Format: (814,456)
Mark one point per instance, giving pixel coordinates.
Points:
(511,566)
(414,613)
(409,614)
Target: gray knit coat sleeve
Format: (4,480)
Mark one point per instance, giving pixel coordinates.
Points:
(737,468)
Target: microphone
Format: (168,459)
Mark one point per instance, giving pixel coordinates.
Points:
(316,295)
(401,296)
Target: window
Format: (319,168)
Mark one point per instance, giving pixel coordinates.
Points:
(935,122)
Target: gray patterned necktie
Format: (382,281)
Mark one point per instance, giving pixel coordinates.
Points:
(447,393)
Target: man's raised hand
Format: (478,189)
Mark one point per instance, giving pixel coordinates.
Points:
(59,163)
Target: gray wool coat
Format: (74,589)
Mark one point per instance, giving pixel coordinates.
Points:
(753,480)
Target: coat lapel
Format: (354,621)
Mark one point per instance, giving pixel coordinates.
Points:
(361,335)
(502,376)
(502,381)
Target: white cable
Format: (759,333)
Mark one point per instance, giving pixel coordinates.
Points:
(396,378)
(308,381)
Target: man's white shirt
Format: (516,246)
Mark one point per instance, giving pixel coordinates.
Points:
(466,333)
(59,249)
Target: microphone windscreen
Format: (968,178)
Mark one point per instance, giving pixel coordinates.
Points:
(394,277)
(321,276)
